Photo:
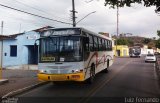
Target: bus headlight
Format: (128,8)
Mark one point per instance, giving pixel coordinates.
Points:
(77,71)
(42,71)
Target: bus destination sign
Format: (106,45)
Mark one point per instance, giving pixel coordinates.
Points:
(61,32)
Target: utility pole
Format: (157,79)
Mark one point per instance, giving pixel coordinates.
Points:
(2,28)
(117,27)
(73,14)
(117,20)
(1,51)
(1,66)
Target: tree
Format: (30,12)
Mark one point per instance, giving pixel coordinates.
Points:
(122,3)
(158,33)
(151,45)
(122,41)
(146,40)
(158,43)
(130,43)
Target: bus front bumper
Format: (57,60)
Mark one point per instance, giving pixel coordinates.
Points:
(61,77)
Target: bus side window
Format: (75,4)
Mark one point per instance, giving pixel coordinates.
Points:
(111,45)
(91,43)
(86,44)
(86,48)
(106,42)
(103,45)
(100,44)
(95,44)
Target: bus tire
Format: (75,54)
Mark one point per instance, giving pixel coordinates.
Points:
(106,69)
(92,75)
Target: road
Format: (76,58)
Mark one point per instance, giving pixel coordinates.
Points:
(127,77)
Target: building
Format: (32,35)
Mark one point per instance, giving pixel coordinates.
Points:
(121,50)
(145,50)
(19,50)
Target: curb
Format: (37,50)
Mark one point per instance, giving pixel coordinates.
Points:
(2,81)
(20,91)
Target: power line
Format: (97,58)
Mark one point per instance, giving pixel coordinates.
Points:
(37,9)
(37,3)
(34,14)
(29,21)
(29,6)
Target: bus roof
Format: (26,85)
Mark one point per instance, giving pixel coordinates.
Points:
(83,29)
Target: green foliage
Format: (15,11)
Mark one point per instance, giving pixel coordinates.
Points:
(146,40)
(158,41)
(130,43)
(158,33)
(122,3)
(122,41)
(151,44)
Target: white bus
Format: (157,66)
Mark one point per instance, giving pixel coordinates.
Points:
(135,51)
(73,54)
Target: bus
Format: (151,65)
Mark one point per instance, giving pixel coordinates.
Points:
(73,54)
(135,51)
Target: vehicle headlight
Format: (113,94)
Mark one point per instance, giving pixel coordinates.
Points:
(42,71)
(77,71)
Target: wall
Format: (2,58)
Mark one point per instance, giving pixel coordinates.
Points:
(124,50)
(150,51)
(21,41)
(145,51)
(0,52)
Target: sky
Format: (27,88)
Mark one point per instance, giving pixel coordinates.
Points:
(137,20)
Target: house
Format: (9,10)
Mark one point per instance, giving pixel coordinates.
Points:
(121,50)
(145,50)
(19,51)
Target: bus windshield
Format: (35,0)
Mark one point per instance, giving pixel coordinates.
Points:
(60,49)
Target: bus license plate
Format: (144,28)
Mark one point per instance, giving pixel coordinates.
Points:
(58,77)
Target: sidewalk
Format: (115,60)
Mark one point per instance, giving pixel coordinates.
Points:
(18,79)
(2,81)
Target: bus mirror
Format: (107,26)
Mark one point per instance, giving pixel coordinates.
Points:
(35,44)
(86,39)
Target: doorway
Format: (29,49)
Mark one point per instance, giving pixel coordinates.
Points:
(118,52)
(32,54)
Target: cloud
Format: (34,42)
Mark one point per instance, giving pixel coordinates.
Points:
(137,20)
(141,21)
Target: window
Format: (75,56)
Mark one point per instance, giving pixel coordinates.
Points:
(61,49)
(91,43)
(106,41)
(103,45)
(95,44)
(13,50)
(110,45)
(100,44)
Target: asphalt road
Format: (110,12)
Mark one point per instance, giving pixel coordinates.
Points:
(127,79)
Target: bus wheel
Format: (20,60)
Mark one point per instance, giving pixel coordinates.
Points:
(92,75)
(106,69)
